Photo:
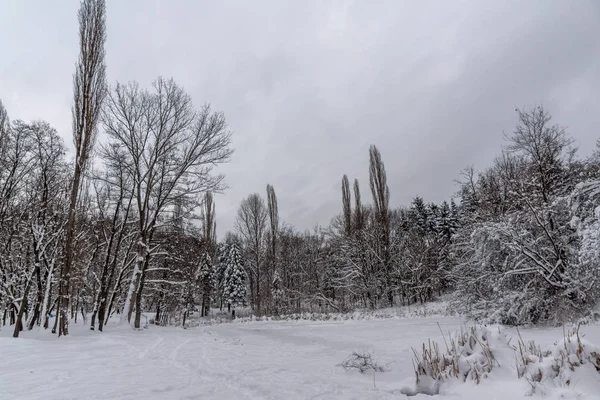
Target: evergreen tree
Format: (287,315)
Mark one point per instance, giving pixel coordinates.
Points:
(421,215)
(444,223)
(454,217)
(234,280)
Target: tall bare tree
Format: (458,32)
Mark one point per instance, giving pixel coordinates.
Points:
(4,126)
(346,207)
(273,217)
(209,223)
(89,91)
(273,235)
(209,243)
(251,225)
(381,200)
(359,221)
(170,151)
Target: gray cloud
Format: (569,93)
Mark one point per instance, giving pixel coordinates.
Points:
(308,85)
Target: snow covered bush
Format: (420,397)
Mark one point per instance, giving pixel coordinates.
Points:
(477,352)
(556,366)
(516,271)
(468,356)
(527,251)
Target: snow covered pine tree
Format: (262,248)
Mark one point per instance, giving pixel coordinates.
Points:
(234,287)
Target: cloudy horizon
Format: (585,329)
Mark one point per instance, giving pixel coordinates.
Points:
(307,86)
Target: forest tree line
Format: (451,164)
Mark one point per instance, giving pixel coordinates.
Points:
(134,232)
(519,242)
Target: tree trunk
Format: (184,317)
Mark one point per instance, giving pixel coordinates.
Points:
(128,309)
(157,317)
(76,306)
(138,296)
(65,276)
(114,295)
(23,306)
(39,299)
(46,301)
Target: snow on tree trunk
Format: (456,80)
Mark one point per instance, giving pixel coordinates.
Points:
(47,296)
(127,309)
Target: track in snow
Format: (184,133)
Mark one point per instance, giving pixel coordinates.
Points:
(260,360)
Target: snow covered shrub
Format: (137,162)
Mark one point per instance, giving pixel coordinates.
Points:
(555,366)
(363,362)
(528,249)
(517,271)
(473,354)
(469,355)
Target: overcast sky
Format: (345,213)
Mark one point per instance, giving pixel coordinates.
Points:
(307,86)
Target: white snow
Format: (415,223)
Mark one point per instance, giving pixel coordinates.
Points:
(253,360)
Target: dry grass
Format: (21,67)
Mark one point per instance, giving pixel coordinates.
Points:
(468,355)
(555,365)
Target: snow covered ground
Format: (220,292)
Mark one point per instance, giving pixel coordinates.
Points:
(255,360)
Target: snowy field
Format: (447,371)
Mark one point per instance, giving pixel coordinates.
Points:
(256,360)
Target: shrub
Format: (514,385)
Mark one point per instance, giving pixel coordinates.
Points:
(555,365)
(468,355)
(362,361)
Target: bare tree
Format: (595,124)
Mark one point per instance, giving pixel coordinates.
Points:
(381,200)
(15,164)
(170,151)
(4,126)
(209,223)
(32,196)
(546,147)
(273,217)
(346,208)
(251,225)
(359,221)
(47,199)
(89,91)
(210,248)
(114,186)
(547,150)
(273,234)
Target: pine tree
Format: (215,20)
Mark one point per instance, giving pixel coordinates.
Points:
(454,217)
(421,215)
(234,281)
(443,223)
